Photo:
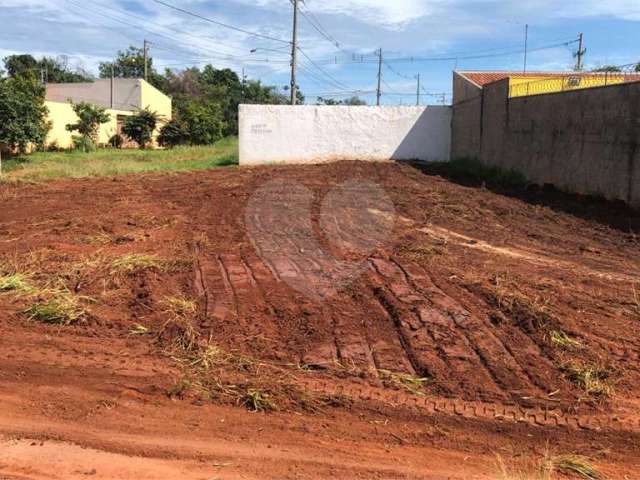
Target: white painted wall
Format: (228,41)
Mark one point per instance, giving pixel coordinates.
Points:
(315,134)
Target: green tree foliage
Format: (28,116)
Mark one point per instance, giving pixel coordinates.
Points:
(130,64)
(195,123)
(351,101)
(220,87)
(53,70)
(638,67)
(608,68)
(19,65)
(22,112)
(140,127)
(174,133)
(90,117)
(57,70)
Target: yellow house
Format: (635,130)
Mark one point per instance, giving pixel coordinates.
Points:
(121,97)
(466,84)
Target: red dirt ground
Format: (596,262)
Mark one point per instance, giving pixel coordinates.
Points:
(441,348)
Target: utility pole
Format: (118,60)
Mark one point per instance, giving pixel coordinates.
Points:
(418,92)
(244,78)
(580,53)
(146,61)
(526,45)
(111,87)
(294,53)
(379,91)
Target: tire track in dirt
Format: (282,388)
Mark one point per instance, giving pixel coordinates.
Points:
(493,352)
(486,411)
(437,348)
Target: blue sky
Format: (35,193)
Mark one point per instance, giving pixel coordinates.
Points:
(90,31)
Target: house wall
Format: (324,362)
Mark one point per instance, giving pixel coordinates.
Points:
(61,114)
(129,95)
(540,85)
(584,141)
(155,100)
(315,134)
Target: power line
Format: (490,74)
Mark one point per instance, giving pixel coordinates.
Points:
(165,27)
(213,53)
(417,59)
(321,70)
(315,23)
(215,22)
(396,72)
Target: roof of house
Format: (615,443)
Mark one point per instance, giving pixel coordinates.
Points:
(484,78)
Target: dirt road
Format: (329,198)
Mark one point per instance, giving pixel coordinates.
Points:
(384,322)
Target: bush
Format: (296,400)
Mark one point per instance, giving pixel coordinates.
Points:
(116,141)
(53,147)
(204,122)
(90,117)
(83,143)
(140,127)
(173,133)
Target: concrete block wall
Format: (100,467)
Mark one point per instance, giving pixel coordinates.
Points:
(315,134)
(582,141)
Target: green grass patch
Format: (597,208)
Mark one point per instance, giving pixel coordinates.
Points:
(62,310)
(15,283)
(42,166)
(472,171)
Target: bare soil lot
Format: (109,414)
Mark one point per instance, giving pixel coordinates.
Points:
(144,322)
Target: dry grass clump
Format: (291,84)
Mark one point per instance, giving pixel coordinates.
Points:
(532,312)
(561,339)
(134,262)
(421,252)
(258,401)
(405,381)
(596,380)
(547,467)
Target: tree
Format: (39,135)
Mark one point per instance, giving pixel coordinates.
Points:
(18,65)
(23,114)
(638,67)
(90,117)
(57,70)
(173,133)
(54,70)
(140,127)
(355,101)
(130,64)
(351,101)
(299,94)
(608,68)
(196,123)
(205,122)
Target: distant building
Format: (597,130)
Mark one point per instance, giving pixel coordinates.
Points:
(122,97)
(469,84)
